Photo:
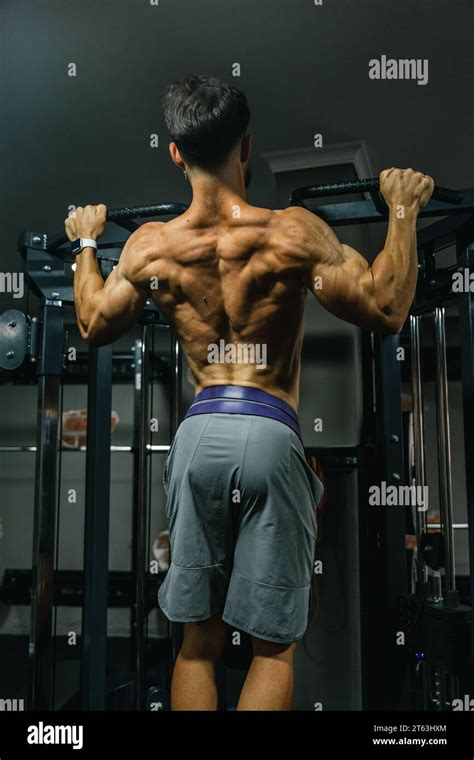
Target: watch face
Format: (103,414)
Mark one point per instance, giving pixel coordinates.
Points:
(76,246)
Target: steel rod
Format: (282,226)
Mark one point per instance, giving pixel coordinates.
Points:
(40,652)
(444,447)
(141,517)
(419,440)
(96,530)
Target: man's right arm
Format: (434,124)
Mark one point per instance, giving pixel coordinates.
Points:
(375,297)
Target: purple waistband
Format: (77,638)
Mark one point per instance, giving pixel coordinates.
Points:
(238,399)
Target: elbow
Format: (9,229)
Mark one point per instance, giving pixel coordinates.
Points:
(92,340)
(394,328)
(387,319)
(88,334)
(91,329)
(391,324)
(96,339)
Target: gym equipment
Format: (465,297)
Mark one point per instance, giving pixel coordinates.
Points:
(50,276)
(125,217)
(438,627)
(379,457)
(443,202)
(370,185)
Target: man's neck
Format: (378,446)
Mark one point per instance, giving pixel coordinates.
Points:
(217,190)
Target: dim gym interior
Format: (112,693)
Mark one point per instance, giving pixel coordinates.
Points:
(386,420)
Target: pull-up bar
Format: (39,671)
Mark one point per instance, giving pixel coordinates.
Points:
(369,185)
(122,215)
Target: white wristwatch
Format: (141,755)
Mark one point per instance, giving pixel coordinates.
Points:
(80,243)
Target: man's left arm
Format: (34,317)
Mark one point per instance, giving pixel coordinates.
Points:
(105,309)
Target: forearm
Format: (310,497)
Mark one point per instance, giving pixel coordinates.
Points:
(88,281)
(395,269)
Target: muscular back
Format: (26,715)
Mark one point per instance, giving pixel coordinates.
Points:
(233,280)
(235,292)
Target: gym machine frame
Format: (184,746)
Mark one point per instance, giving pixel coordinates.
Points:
(382,533)
(48,270)
(46,267)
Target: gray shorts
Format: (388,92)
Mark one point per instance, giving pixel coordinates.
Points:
(241,508)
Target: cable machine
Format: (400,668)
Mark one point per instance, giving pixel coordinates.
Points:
(387,599)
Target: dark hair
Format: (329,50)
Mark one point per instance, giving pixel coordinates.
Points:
(205,117)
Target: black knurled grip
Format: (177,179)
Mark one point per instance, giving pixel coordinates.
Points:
(128,212)
(363,186)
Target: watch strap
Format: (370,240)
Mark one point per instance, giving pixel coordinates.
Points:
(78,245)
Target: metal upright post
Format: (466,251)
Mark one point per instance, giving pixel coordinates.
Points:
(444,448)
(141,517)
(176,369)
(40,665)
(365,478)
(387,529)
(419,441)
(393,521)
(137,402)
(465,257)
(96,530)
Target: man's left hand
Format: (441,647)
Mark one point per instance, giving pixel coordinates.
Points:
(88,222)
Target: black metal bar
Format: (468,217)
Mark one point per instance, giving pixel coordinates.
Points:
(141,517)
(120,215)
(15,588)
(176,368)
(175,406)
(369,426)
(387,530)
(96,530)
(137,395)
(369,185)
(389,410)
(444,449)
(465,257)
(365,212)
(379,202)
(50,273)
(40,665)
(418,440)
(365,470)
(365,478)
(46,272)
(443,229)
(128,224)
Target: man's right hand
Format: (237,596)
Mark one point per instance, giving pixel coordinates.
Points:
(405,187)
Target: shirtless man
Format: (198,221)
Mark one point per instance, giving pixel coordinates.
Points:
(233,281)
